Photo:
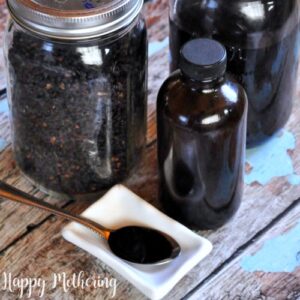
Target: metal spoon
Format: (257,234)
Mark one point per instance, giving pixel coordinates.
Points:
(137,254)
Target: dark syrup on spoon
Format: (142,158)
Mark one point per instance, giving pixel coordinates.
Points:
(140,245)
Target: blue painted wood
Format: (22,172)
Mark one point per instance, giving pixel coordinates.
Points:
(272,160)
(155,47)
(281,254)
(4,106)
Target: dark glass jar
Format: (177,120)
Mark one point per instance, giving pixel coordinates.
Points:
(201,115)
(262,41)
(77,92)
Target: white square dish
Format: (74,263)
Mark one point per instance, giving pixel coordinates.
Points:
(121,207)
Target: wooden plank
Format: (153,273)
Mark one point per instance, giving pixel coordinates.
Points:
(21,217)
(234,282)
(156,15)
(158,72)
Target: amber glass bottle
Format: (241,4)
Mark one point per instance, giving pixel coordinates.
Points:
(201,115)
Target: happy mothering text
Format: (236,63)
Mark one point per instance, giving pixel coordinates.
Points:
(36,286)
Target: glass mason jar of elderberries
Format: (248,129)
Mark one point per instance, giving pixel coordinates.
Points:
(262,41)
(77,81)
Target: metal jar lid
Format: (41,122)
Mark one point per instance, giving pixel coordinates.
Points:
(74,19)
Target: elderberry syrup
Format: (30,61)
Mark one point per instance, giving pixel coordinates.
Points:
(201,115)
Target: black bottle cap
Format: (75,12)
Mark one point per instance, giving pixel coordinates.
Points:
(203,59)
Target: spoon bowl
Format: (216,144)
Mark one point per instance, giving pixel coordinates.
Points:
(142,245)
(138,245)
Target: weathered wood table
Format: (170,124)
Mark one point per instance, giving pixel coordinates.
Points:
(255,256)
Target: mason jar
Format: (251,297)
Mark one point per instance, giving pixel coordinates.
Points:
(262,42)
(77,82)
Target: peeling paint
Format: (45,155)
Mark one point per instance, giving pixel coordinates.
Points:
(294,179)
(280,254)
(272,160)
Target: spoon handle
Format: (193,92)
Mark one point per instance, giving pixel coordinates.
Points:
(13,194)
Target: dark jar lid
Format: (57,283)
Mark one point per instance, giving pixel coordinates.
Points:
(203,59)
(74,19)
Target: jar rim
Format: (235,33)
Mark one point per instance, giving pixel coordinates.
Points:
(73,23)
